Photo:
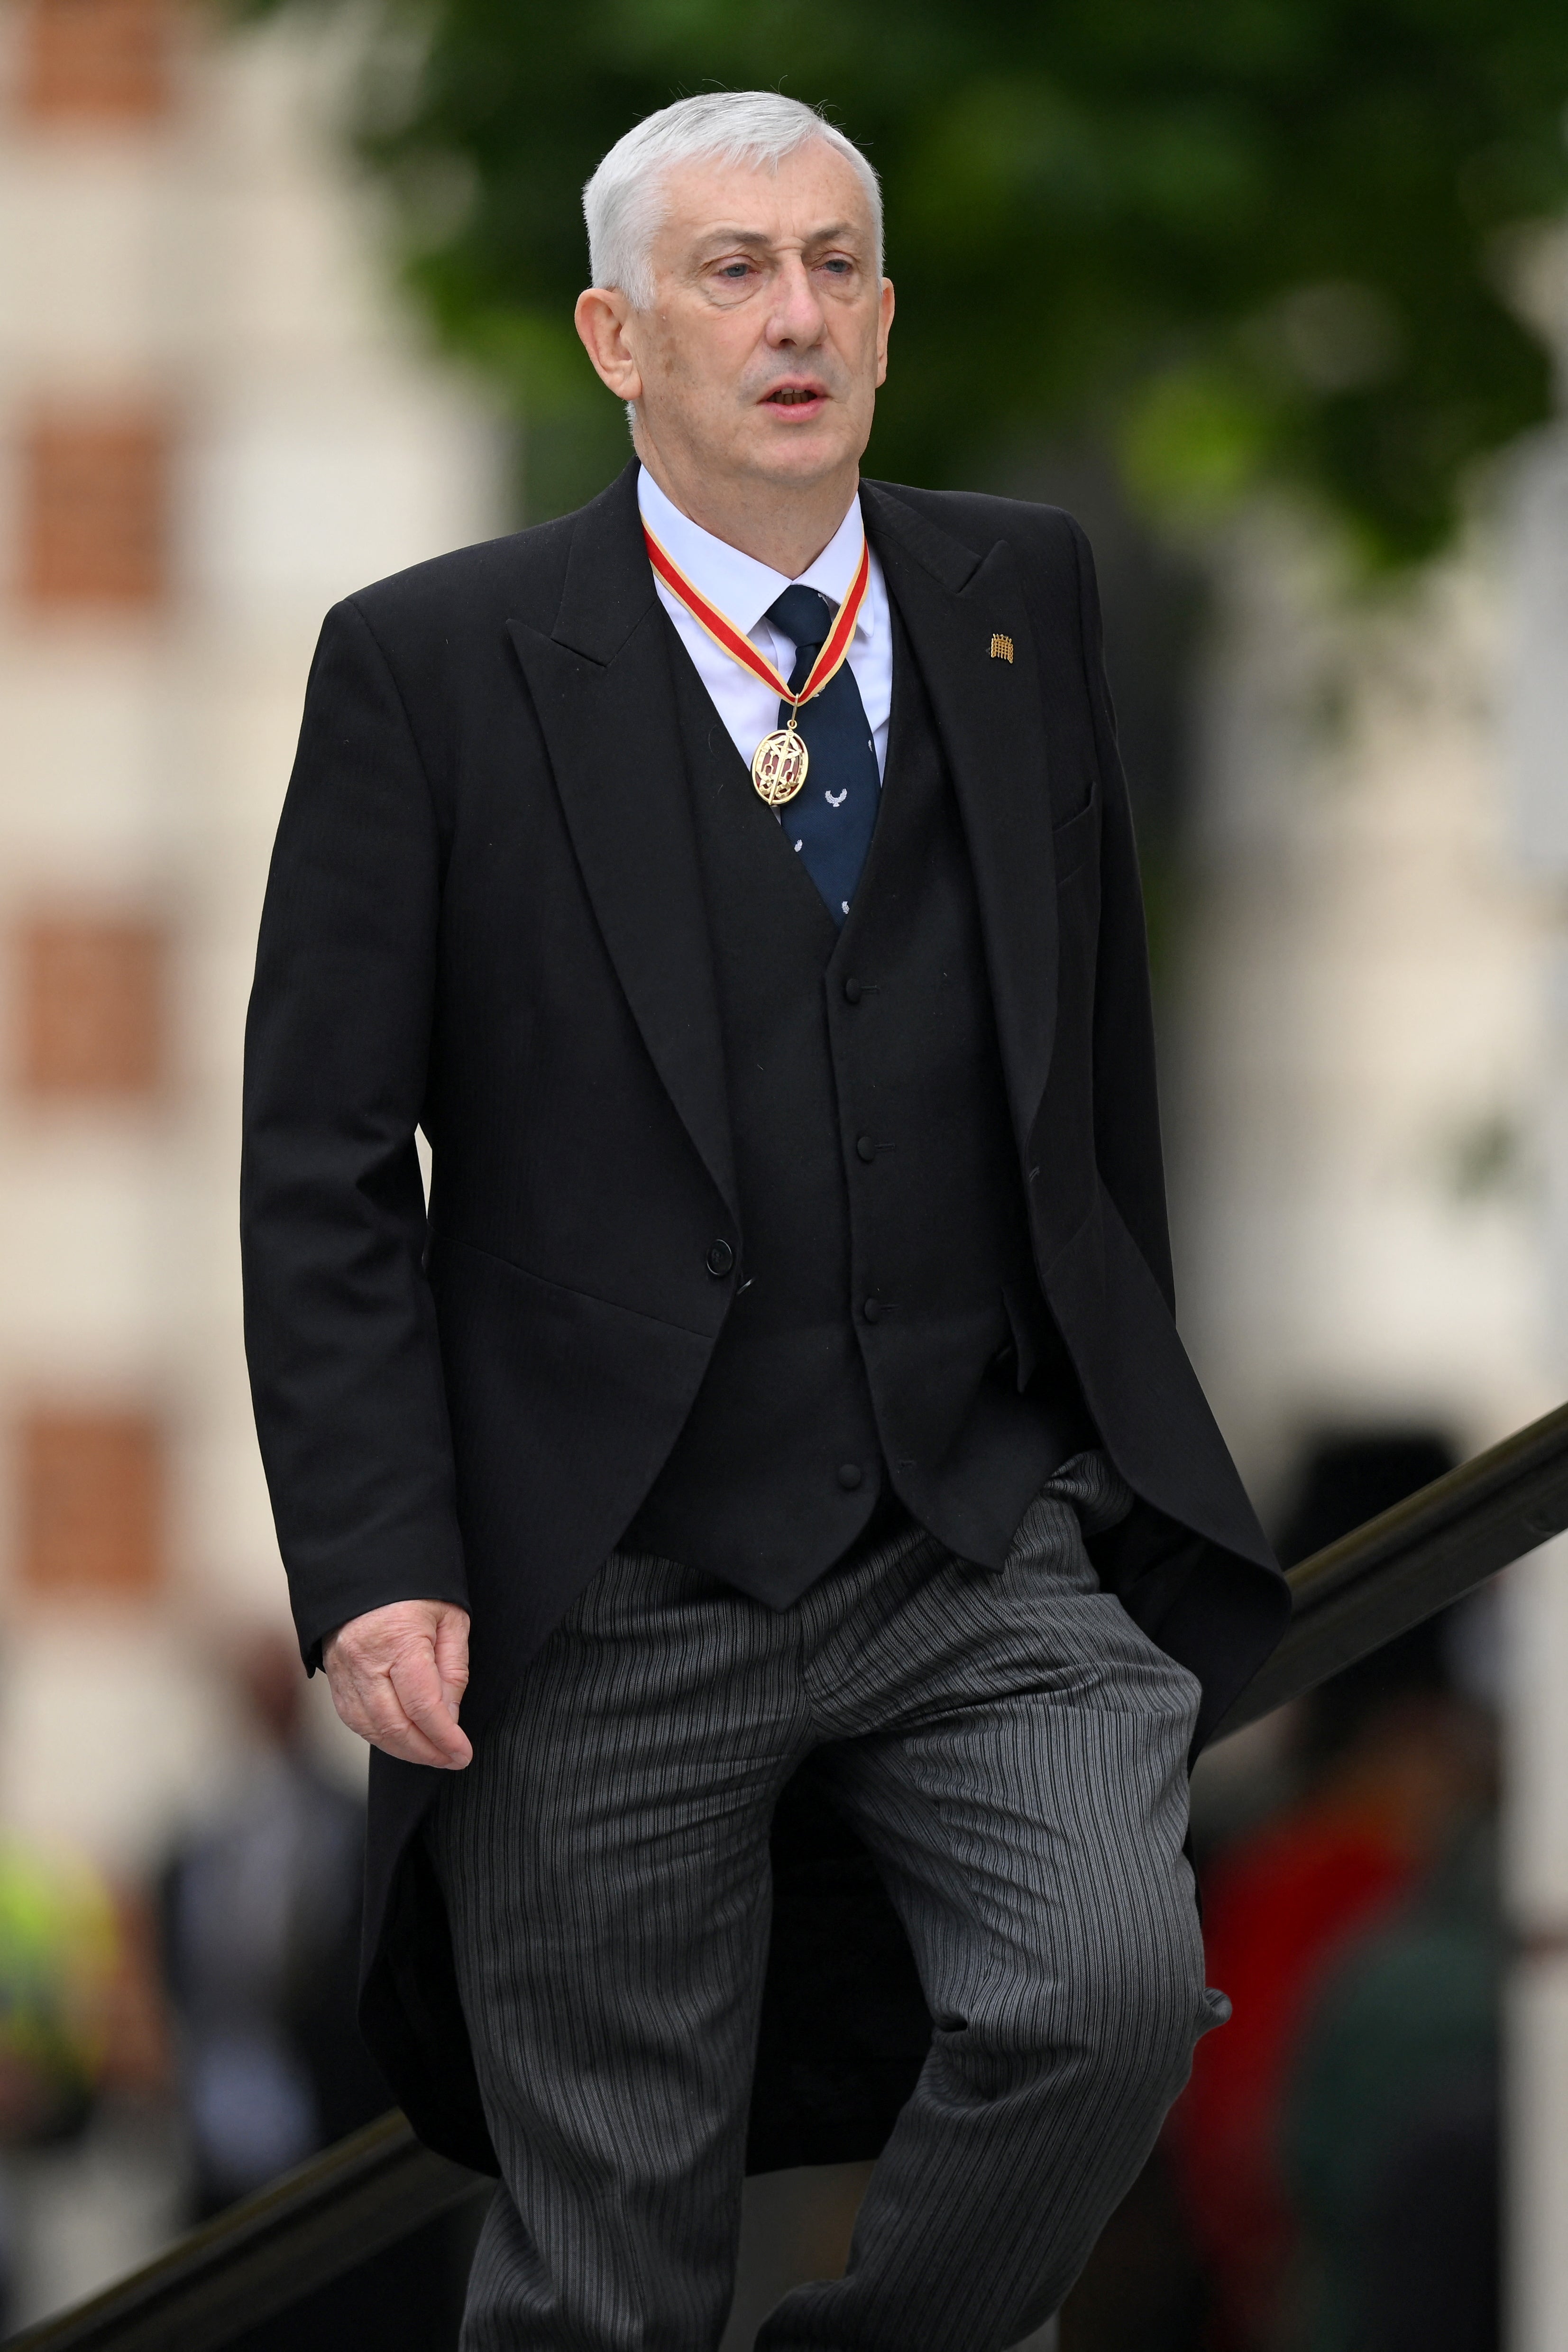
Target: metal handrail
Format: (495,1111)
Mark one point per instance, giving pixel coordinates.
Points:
(267,2255)
(1401,1566)
(261,2257)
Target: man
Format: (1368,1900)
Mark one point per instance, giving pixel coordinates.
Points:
(793,1308)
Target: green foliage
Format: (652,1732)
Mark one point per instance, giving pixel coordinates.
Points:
(1229,241)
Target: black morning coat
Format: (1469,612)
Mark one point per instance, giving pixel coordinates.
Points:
(485,918)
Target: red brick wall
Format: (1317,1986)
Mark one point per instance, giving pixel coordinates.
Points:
(90,1004)
(94,510)
(91,1495)
(95,62)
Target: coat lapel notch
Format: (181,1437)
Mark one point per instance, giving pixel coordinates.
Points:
(954,604)
(602,687)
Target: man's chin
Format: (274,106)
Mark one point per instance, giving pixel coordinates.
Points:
(799,456)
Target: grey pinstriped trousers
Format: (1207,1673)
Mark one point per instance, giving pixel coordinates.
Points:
(1013,1750)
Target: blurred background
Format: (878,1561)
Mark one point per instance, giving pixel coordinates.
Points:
(1274,294)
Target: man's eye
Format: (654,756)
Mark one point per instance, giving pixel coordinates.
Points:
(735,269)
(839,267)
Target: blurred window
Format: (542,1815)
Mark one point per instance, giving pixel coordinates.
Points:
(91,1495)
(96,60)
(94,510)
(91,1006)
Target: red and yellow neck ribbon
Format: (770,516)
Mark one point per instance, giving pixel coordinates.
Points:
(725,633)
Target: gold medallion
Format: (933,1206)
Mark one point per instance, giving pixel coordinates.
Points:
(780,762)
(778,766)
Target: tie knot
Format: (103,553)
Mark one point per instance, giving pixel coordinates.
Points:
(804,614)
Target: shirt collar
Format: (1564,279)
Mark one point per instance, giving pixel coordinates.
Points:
(742,588)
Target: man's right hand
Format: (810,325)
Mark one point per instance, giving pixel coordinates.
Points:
(398,1675)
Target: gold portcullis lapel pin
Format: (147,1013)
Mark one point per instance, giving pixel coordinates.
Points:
(1001,648)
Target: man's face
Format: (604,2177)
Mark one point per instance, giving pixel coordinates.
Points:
(767,338)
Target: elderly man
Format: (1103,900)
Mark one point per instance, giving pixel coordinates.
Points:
(735,881)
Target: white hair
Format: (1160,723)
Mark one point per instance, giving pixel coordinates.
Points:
(623,204)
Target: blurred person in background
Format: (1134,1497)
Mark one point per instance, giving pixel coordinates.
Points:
(261,1919)
(1391,2141)
(80,2018)
(736,881)
(1393,1762)
(261,1911)
(61,1953)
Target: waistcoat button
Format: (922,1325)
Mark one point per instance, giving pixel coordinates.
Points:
(871,1311)
(851,1476)
(866,1148)
(852,991)
(720,1258)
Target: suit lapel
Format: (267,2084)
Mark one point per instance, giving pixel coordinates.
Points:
(989,716)
(601,685)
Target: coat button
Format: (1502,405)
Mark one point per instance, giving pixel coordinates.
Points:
(852,991)
(866,1148)
(851,1476)
(720,1258)
(871,1311)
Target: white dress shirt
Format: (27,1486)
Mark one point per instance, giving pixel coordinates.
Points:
(743,589)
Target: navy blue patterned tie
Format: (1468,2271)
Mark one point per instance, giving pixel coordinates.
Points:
(830,819)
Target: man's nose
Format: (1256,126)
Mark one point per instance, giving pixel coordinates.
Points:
(796,315)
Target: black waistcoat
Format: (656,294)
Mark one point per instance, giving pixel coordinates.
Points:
(888,1331)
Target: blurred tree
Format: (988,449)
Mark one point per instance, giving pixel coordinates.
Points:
(1229,241)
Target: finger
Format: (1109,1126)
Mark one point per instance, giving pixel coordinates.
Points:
(412,1746)
(449,1750)
(389,1727)
(451,1659)
(418,1689)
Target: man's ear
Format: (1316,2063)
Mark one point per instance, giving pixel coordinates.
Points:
(884,325)
(601,319)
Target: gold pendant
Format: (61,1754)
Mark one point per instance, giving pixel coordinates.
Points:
(778,766)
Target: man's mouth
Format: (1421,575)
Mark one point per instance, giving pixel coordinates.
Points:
(794,395)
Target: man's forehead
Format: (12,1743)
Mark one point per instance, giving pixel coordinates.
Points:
(718,203)
(722,234)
